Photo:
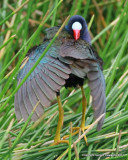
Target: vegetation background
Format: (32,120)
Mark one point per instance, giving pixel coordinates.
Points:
(21,27)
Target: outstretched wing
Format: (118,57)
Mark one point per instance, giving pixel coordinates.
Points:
(66,57)
(43,83)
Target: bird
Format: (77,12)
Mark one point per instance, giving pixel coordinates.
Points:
(69,62)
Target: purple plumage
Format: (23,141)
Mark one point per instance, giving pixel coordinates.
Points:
(67,63)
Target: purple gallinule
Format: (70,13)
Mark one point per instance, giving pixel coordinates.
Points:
(70,60)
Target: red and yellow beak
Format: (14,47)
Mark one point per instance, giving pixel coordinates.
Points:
(76,34)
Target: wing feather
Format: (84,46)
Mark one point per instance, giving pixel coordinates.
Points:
(24,94)
(93,75)
(97,86)
(96,93)
(27,103)
(54,76)
(30,102)
(39,93)
(43,83)
(55,69)
(22,105)
(94,84)
(52,84)
(44,88)
(33,99)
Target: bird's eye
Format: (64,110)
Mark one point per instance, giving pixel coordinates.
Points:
(76,26)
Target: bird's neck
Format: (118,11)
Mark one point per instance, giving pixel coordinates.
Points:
(86,36)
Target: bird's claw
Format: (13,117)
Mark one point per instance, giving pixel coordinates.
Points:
(59,142)
(77,131)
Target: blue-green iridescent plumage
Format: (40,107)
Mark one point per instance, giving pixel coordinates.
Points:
(67,63)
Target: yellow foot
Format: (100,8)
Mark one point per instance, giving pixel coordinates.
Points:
(59,141)
(77,131)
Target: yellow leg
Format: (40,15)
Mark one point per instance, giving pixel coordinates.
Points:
(60,124)
(57,139)
(60,121)
(82,126)
(84,105)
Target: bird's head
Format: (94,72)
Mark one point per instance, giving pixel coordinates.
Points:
(77,27)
